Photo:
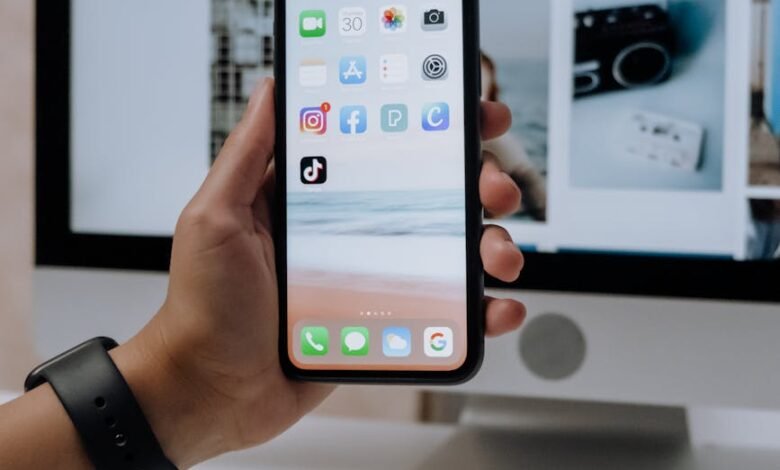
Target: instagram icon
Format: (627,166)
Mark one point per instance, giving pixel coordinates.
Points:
(315,120)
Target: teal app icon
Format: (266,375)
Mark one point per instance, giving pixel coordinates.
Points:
(395,118)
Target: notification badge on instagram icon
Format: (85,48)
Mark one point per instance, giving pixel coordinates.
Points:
(315,120)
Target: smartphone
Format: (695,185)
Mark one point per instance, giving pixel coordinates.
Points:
(378,218)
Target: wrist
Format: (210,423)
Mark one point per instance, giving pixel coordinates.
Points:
(169,401)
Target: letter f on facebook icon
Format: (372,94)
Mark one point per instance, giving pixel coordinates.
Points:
(354,120)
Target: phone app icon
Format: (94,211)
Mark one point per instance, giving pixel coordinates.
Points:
(436,117)
(392,19)
(313,73)
(312,23)
(397,342)
(315,120)
(354,341)
(354,120)
(352,70)
(314,341)
(394,68)
(314,170)
(395,118)
(434,19)
(352,21)
(435,67)
(438,342)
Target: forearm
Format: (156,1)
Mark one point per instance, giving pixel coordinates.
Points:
(36,432)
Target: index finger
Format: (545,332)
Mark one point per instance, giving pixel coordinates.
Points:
(496,119)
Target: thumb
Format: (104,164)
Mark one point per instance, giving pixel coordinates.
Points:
(241,166)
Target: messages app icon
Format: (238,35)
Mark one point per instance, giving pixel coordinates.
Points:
(397,342)
(354,341)
(395,118)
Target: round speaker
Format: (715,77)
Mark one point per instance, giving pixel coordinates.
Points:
(552,346)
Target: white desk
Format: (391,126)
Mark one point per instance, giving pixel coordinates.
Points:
(331,443)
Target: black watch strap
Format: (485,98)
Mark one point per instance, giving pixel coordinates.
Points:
(113,429)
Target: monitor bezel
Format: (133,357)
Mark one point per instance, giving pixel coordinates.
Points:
(58,246)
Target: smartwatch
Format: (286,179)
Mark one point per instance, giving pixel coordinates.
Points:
(107,417)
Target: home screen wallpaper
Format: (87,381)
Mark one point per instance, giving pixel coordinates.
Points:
(376,185)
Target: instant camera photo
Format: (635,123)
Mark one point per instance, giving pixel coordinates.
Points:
(622,48)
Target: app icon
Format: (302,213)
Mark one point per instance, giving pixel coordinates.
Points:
(315,120)
(314,341)
(392,19)
(354,341)
(352,21)
(312,23)
(436,117)
(394,68)
(438,342)
(395,118)
(397,342)
(314,170)
(352,70)
(435,67)
(313,73)
(434,19)
(354,120)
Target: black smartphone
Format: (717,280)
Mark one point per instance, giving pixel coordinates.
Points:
(378,214)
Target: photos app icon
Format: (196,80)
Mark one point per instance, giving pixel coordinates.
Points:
(392,19)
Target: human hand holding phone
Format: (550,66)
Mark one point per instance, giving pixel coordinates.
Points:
(216,383)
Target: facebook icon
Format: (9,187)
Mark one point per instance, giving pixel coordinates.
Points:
(354,120)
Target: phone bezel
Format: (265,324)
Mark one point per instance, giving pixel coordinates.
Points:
(473,163)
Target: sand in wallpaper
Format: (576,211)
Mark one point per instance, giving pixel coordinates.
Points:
(401,252)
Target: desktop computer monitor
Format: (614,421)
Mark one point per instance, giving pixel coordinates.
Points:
(645,140)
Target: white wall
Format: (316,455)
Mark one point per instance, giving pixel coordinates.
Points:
(16,223)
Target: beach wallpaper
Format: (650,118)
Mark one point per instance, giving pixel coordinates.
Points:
(376,203)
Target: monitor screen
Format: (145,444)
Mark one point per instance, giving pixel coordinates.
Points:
(648,129)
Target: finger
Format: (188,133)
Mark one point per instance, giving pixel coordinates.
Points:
(263,205)
(503,316)
(239,169)
(498,192)
(496,119)
(500,256)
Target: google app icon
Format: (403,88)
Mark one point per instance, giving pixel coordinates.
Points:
(438,342)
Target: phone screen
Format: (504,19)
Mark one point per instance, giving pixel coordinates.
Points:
(376,268)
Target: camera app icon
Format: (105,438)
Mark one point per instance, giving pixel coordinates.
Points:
(434,19)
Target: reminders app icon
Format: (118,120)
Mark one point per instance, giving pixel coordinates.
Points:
(397,342)
(394,68)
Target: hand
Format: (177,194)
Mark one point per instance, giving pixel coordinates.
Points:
(206,368)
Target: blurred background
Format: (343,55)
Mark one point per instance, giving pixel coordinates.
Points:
(667,349)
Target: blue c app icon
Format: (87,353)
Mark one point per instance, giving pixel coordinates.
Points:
(436,117)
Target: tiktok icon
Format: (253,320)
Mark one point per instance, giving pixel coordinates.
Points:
(314,170)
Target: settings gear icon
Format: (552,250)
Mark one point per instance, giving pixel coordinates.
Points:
(435,67)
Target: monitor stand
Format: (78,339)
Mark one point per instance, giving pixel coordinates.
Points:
(507,433)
